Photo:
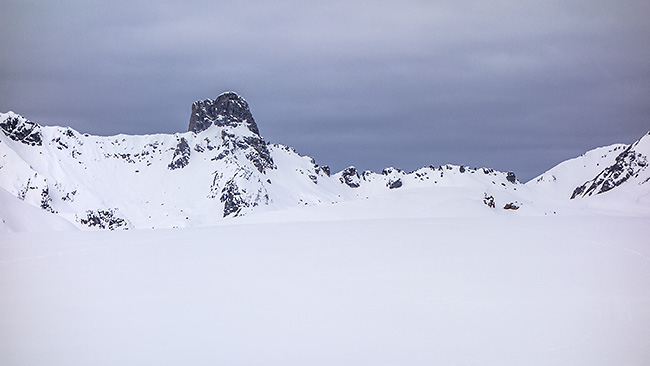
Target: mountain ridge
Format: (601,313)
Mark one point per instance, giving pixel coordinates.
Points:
(220,168)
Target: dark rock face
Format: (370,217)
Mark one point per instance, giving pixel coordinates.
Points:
(22,130)
(46,200)
(511,206)
(628,164)
(350,177)
(393,181)
(391,170)
(234,199)
(510,177)
(392,184)
(258,153)
(489,201)
(325,169)
(229,109)
(181,155)
(103,219)
(254,149)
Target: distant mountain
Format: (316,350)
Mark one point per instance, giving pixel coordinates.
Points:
(561,180)
(630,165)
(222,168)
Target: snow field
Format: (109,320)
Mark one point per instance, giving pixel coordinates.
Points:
(493,290)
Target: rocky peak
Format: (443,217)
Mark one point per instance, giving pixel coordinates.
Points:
(350,177)
(17,128)
(628,164)
(230,111)
(227,110)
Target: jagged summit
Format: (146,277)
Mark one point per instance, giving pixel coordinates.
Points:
(228,109)
(18,128)
(631,164)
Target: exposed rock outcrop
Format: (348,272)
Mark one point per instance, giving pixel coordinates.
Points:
(511,206)
(350,177)
(489,201)
(235,198)
(392,184)
(181,155)
(103,219)
(18,128)
(629,163)
(228,109)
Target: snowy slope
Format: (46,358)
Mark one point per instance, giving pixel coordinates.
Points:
(15,215)
(490,291)
(629,168)
(609,179)
(561,180)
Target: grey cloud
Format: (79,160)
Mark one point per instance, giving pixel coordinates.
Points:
(517,86)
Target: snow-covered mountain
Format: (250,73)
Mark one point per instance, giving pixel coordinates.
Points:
(612,178)
(630,165)
(222,167)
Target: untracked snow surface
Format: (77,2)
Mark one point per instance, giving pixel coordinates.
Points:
(492,290)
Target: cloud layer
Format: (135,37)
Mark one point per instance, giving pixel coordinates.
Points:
(512,85)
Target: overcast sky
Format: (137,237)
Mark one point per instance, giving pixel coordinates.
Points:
(513,85)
